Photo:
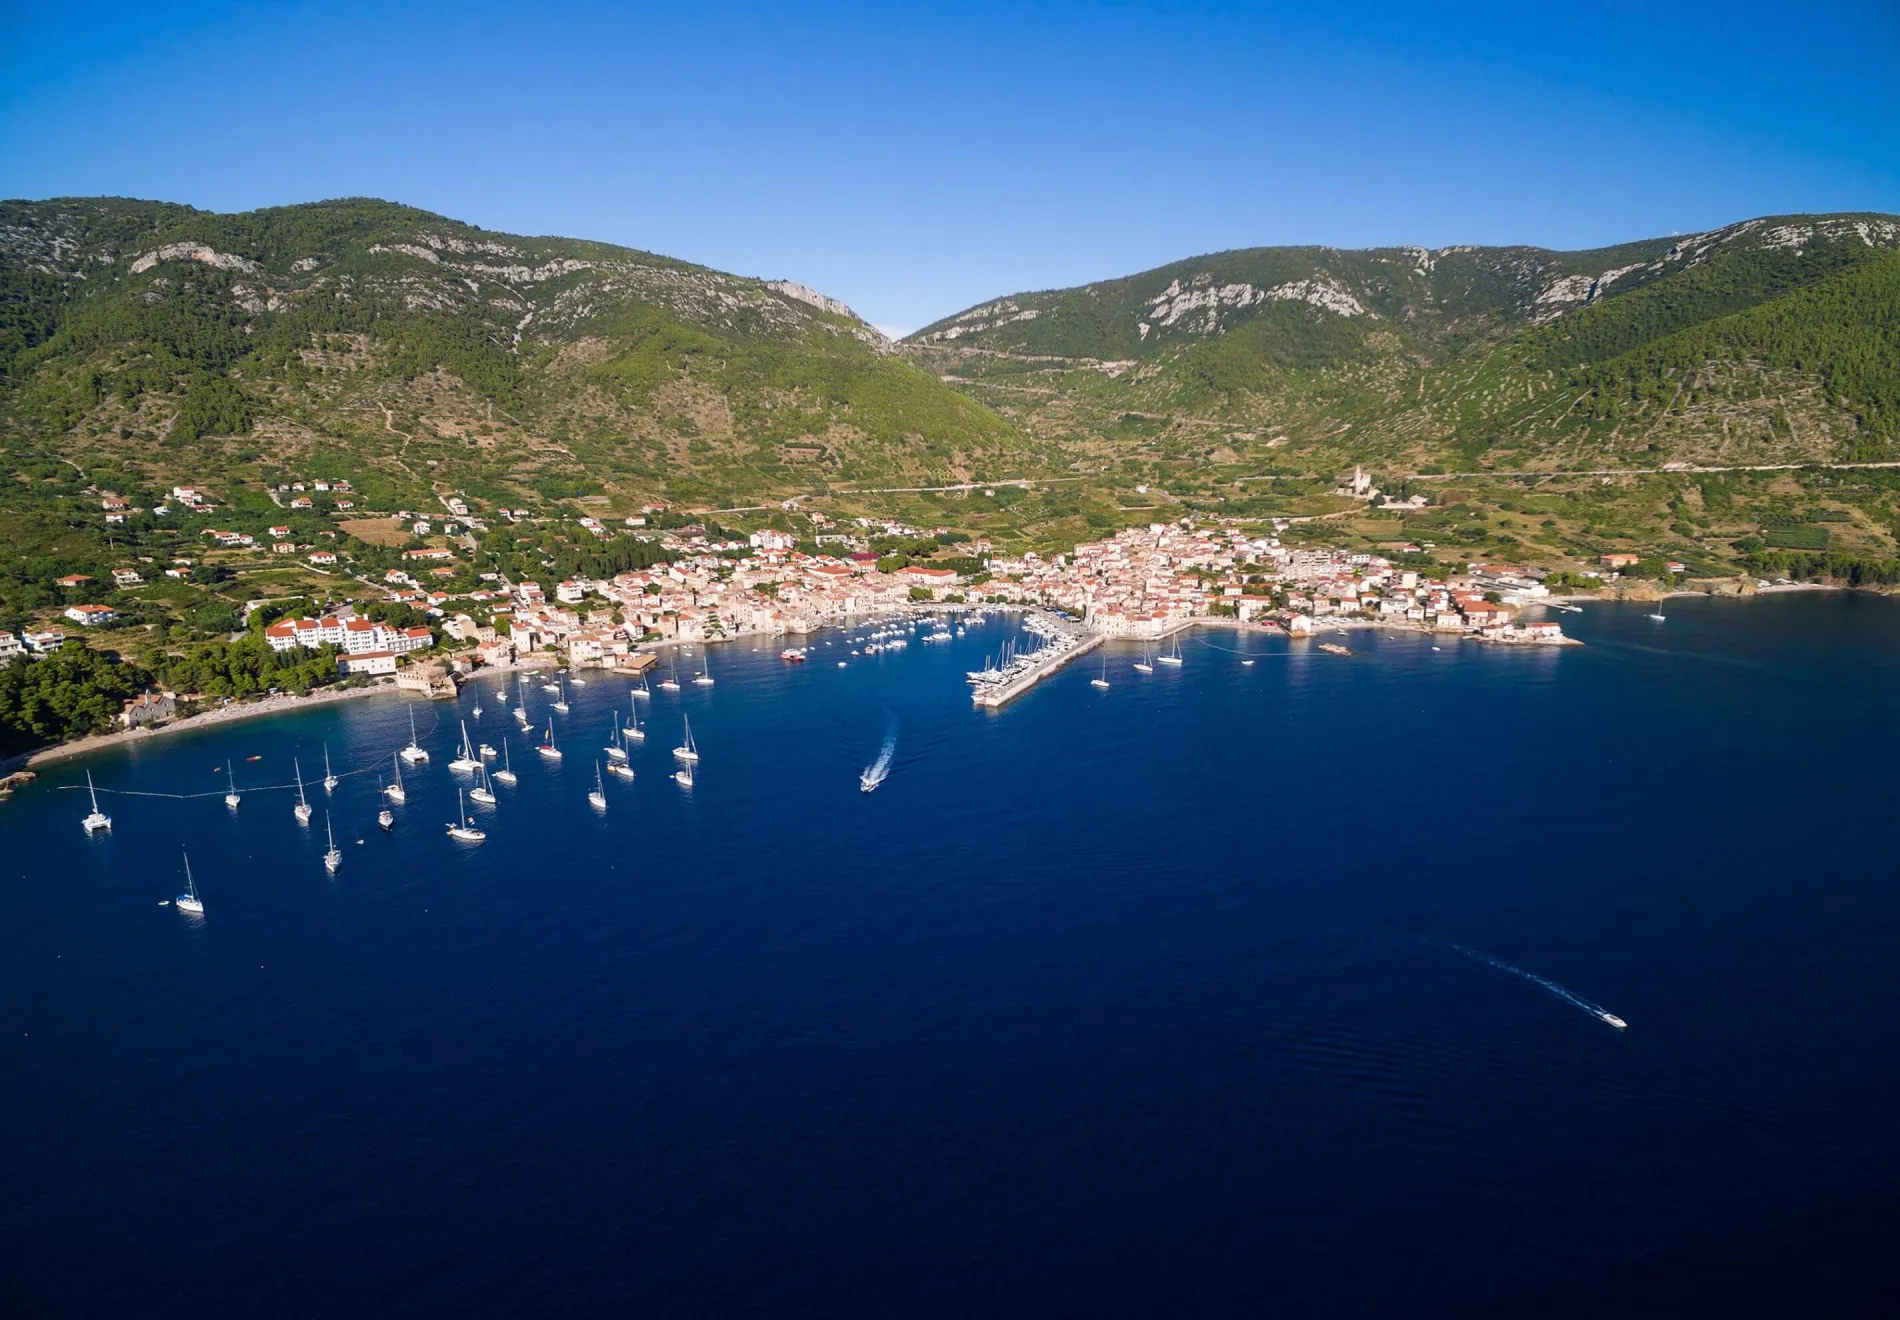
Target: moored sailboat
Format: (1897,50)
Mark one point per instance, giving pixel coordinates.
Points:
(413,752)
(506,774)
(302,810)
(687,751)
(599,796)
(464,828)
(189,900)
(231,794)
(98,820)
(332,858)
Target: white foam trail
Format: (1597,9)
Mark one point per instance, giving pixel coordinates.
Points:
(880,769)
(1574,1000)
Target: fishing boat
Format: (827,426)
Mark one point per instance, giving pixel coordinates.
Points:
(1173,657)
(671,683)
(547,747)
(1102,682)
(231,795)
(394,792)
(598,798)
(686,751)
(560,702)
(98,820)
(464,828)
(506,774)
(482,793)
(413,752)
(633,732)
(465,758)
(615,752)
(302,810)
(386,818)
(332,858)
(189,900)
(329,776)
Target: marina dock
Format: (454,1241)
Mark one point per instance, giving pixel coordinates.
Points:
(1039,666)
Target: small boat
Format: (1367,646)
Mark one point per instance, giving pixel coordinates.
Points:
(98,820)
(793,655)
(1102,682)
(386,818)
(547,747)
(506,774)
(329,777)
(1614,1021)
(1245,664)
(617,768)
(1334,648)
(464,829)
(615,752)
(482,793)
(231,796)
(395,792)
(413,752)
(465,758)
(1172,658)
(598,798)
(488,752)
(332,858)
(577,680)
(1658,617)
(189,900)
(551,687)
(686,751)
(302,810)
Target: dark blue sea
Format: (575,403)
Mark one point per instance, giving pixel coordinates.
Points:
(1152,1001)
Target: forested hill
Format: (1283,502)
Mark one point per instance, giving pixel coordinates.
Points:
(1479,355)
(429,352)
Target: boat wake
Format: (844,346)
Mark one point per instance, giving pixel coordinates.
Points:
(1597,1011)
(879,770)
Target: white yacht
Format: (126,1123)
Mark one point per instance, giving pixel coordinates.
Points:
(704,677)
(1145,665)
(620,768)
(386,818)
(189,900)
(465,758)
(633,732)
(394,792)
(643,692)
(599,796)
(686,751)
(329,776)
(671,683)
(98,820)
(560,702)
(577,680)
(1658,616)
(482,793)
(464,827)
(684,776)
(231,794)
(506,774)
(302,810)
(1101,682)
(487,751)
(332,858)
(547,747)
(413,752)
(1173,657)
(477,712)
(1614,1021)
(615,752)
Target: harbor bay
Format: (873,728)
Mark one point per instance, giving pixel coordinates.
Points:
(1194,992)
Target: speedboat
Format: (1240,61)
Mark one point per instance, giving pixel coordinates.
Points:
(1614,1021)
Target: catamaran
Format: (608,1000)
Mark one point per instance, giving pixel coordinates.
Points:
(413,752)
(332,858)
(189,900)
(560,702)
(329,777)
(599,796)
(633,732)
(686,751)
(231,794)
(506,774)
(482,793)
(1172,657)
(98,820)
(464,827)
(615,752)
(547,747)
(394,792)
(302,810)
(1101,682)
(465,758)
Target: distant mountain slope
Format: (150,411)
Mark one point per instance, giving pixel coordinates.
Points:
(427,350)
(1487,352)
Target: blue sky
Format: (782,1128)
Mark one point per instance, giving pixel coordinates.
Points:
(913,159)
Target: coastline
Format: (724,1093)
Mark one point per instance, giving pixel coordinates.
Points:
(237,710)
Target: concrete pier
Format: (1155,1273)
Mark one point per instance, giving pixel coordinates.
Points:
(1007,692)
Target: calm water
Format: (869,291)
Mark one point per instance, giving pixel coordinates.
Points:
(1136,1001)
